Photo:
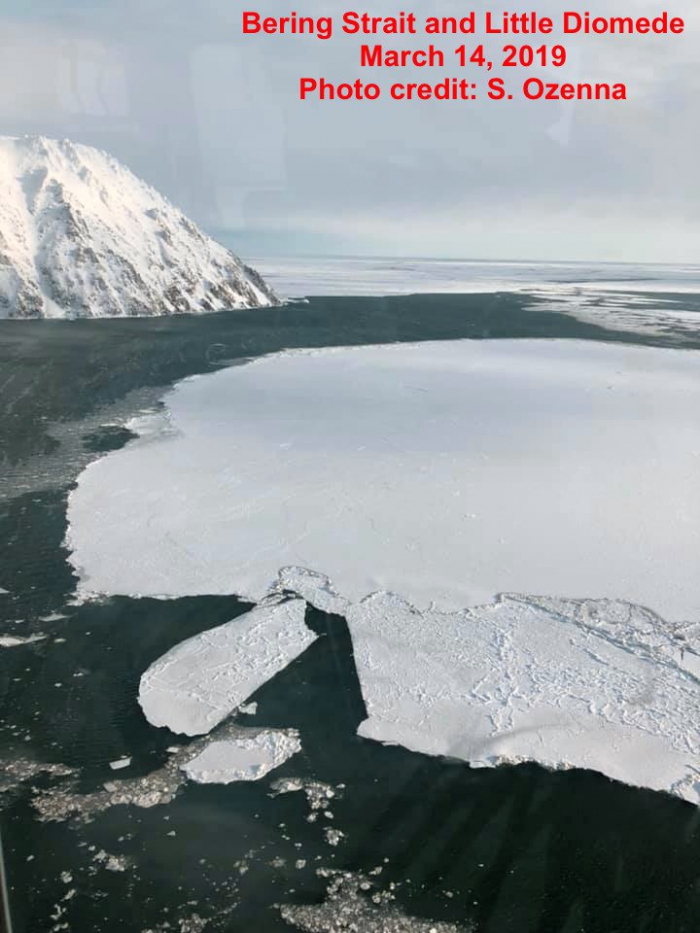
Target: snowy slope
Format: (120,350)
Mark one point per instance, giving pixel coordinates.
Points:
(81,236)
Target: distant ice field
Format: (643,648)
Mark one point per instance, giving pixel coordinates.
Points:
(301,277)
(631,297)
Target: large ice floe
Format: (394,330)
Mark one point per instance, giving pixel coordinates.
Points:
(596,684)
(201,681)
(448,473)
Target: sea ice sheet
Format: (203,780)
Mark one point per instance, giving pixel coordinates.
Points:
(199,682)
(446,472)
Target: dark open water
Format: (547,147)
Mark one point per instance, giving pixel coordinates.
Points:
(515,850)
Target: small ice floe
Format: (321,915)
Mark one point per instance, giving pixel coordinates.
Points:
(15,641)
(243,758)
(248,709)
(118,863)
(201,681)
(4,592)
(333,836)
(120,764)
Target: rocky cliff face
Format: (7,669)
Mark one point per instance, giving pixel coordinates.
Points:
(81,236)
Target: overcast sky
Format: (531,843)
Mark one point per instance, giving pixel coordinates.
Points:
(212,118)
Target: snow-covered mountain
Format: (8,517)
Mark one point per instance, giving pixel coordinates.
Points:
(81,236)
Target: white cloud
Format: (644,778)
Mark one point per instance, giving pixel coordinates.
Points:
(213,119)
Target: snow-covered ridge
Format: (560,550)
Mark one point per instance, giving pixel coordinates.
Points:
(81,236)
